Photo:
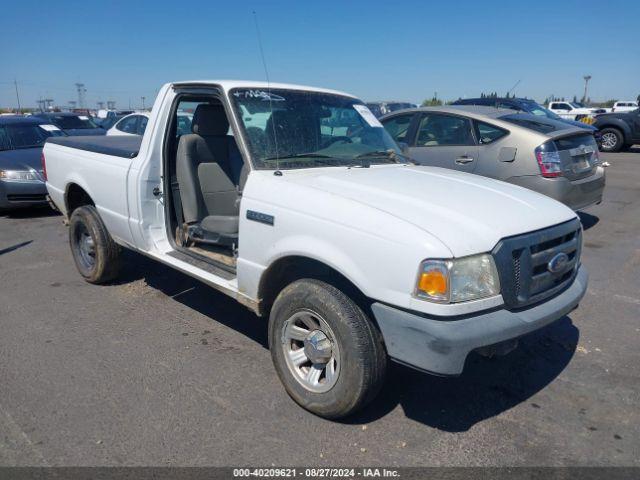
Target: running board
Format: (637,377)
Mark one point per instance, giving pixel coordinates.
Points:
(208,267)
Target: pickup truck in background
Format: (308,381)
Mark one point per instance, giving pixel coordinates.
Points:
(625,106)
(572,111)
(298,204)
(618,131)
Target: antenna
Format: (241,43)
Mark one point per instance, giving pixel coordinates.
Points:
(266,74)
(514,87)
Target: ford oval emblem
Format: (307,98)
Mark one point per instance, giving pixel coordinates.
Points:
(558,262)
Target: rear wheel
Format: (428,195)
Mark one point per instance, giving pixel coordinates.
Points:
(612,140)
(328,354)
(95,253)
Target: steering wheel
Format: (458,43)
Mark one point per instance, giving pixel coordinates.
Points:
(333,140)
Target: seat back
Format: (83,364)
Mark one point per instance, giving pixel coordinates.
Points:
(207,166)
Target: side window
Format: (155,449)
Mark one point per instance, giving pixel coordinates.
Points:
(562,106)
(4,139)
(510,106)
(398,127)
(437,130)
(142,125)
(128,125)
(487,133)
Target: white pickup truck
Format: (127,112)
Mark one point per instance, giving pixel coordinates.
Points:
(573,111)
(296,202)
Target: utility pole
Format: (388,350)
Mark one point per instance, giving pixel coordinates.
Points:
(586,83)
(81,93)
(15,82)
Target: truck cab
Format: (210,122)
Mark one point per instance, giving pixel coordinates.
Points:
(296,202)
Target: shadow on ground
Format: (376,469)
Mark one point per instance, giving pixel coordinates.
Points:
(588,220)
(487,388)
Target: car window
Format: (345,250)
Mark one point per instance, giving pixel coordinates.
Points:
(539,125)
(563,106)
(398,127)
(438,130)
(510,106)
(489,133)
(142,125)
(4,139)
(128,124)
(68,122)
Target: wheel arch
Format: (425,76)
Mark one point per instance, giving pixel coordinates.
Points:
(286,270)
(618,125)
(76,196)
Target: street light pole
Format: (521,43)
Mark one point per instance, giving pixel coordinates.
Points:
(586,83)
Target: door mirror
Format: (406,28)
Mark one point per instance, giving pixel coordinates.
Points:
(403,146)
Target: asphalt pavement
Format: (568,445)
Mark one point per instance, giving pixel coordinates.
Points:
(159,369)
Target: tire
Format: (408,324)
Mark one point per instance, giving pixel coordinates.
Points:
(355,372)
(612,140)
(96,255)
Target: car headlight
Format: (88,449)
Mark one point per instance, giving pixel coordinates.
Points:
(20,176)
(458,280)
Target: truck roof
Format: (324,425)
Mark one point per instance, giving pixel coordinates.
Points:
(229,84)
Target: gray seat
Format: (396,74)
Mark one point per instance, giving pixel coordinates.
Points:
(210,171)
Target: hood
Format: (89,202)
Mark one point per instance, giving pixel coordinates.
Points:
(83,132)
(468,213)
(21,159)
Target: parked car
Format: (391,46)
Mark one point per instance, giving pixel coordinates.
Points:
(526,105)
(535,152)
(382,108)
(133,124)
(618,130)
(624,106)
(573,110)
(71,123)
(21,176)
(353,254)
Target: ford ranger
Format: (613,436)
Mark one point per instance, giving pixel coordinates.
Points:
(298,204)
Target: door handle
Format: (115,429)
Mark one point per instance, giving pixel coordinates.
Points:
(463,160)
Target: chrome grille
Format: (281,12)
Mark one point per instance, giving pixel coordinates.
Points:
(523,263)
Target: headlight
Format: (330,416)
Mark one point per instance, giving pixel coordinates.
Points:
(458,280)
(20,176)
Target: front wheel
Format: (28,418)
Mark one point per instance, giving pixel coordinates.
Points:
(95,253)
(611,140)
(328,354)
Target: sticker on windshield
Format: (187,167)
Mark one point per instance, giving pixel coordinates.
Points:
(366,114)
(259,94)
(49,128)
(83,117)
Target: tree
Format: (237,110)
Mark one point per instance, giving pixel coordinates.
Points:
(575,99)
(638,99)
(432,102)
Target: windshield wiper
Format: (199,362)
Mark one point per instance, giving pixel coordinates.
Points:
(324,158)
(390,154)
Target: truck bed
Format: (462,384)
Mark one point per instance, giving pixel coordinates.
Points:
(126,146)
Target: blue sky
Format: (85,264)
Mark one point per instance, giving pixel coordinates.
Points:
(123,50)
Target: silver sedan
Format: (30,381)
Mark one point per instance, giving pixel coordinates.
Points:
(538,153)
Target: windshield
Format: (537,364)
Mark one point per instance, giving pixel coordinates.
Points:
(26,135)
(301,129)
(534,108)
(67,122)
(532,123)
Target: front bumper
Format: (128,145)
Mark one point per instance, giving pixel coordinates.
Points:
(442,346)
(22,194)
(576,194)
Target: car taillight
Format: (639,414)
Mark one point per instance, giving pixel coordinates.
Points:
(44,166)
(549,160)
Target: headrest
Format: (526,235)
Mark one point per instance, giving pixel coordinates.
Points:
(210,120)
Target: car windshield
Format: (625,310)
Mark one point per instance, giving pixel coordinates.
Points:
(540,111)
(26,135)
(532,123)
(288,129)
(67,122)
